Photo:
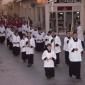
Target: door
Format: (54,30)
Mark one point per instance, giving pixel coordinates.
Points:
(64,21)
(60,21)
(68,21)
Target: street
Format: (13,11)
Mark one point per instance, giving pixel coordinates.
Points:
(14,72)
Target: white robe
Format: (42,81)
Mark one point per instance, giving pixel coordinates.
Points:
(2,31)
(48,39)
(57,40)
(65,47)
(11,34)
(35,34)
(76,55)
(80,33)
(23,45)
(27,29)
(24,27)
(16,41)
(30,50)
(31,30)
(39,38)
(7,32)
(48,62)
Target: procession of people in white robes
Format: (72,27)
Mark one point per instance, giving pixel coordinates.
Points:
(26,40)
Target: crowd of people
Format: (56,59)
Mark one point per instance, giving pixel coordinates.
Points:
(24,39)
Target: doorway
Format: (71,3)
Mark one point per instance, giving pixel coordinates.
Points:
(67,20)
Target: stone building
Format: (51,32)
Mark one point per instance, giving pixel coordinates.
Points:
(65,15)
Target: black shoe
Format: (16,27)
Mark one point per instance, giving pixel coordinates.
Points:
(78,78)
(56,65)
(29,65)
(67,63)
(48,78)
(70,75)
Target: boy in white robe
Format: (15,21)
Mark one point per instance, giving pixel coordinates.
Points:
(56,46)
(23,48)
(48,58)
(16,44)
(30,45)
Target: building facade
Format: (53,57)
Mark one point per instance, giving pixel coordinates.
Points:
(25,9)
(66,13)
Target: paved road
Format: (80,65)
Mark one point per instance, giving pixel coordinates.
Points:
(14,72)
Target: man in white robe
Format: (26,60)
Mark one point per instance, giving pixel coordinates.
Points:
(65,47)
(48,38)
(75,49)
(80,33)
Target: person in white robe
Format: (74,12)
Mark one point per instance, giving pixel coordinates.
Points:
(80,33)
(65,47)
(39,41)
(48,57)
(30,46)
(75,49)
(23,48)
(56,46)
(11,34)
(24,27)
(2,34)
(8,35)
(31,30)
(16,44)
(48,39)
(35,32)
(20,32)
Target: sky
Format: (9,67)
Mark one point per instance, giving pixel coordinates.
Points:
(6,1)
